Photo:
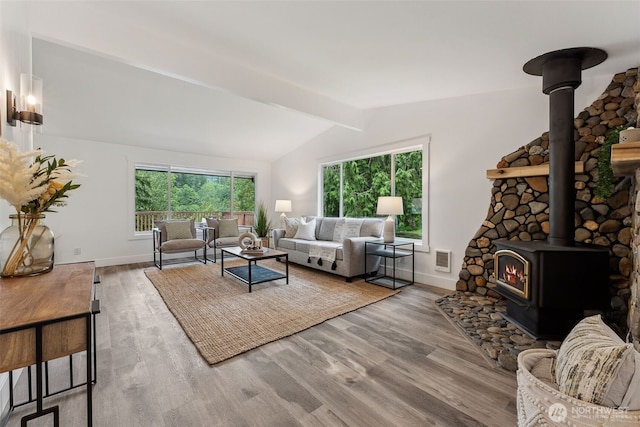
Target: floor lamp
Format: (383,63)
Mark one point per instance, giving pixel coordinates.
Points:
(389,206)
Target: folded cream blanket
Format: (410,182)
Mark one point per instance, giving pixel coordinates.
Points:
(323,252)
(344,228)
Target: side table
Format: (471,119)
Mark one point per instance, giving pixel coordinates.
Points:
(43,318)
(399,248)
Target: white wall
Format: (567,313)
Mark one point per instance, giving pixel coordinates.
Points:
(98,218)
(468,136)
(15,58)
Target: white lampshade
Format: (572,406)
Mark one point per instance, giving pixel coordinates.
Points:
(283,206)
(389,206)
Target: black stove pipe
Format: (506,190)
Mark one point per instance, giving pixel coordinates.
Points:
(561,74)
(562,169)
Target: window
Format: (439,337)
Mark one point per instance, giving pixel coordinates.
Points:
(352,187)
(163,192)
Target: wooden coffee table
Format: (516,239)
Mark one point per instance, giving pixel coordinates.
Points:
(252,273)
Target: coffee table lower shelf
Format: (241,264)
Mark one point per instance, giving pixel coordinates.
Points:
(253,274)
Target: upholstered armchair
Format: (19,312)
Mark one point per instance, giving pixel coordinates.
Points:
(224,233)
(176,236)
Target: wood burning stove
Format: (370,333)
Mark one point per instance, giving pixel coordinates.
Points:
(550,284)
(553,285)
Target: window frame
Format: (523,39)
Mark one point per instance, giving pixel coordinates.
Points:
(413,144)
(165,167)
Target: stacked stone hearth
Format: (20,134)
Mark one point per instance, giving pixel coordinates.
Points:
(519,207)
(480,318)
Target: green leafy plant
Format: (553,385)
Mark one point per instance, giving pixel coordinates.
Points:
(263,223)
(604,186)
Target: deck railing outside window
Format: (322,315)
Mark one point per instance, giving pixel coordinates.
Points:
(146,220)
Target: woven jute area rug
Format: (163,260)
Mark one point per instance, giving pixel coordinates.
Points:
(223,319)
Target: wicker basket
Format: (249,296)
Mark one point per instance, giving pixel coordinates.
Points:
(539,404)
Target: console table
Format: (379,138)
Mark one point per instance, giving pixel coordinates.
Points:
(46,317)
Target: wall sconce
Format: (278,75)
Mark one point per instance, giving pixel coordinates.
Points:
(29,109)
(389,206)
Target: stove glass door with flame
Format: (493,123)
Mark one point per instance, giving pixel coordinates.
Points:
(512,272)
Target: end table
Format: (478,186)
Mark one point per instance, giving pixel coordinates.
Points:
(399,248)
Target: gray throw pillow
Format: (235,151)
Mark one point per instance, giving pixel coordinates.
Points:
(228,228)
(291,226)
(178,230)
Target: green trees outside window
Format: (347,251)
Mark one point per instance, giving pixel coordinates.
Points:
(165,192)
(356,185)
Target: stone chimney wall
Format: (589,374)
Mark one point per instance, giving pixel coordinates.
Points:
(519,207)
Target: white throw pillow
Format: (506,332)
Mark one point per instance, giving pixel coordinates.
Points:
(306,230)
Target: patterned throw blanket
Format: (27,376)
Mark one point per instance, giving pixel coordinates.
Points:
(345,227)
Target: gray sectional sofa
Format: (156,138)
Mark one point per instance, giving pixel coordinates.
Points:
(334,245)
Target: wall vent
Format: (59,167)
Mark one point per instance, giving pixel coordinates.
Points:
(443,260)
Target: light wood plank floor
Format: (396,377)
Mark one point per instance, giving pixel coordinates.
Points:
(398,362)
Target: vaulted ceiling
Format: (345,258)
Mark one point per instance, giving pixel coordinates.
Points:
(263,77)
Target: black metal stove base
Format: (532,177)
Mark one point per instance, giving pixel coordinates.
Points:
(543,323)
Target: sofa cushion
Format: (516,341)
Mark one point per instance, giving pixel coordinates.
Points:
(226,241)
(327,227)
(286,243)
(596,366)
(372,227)
(306,230)
(181,245)
(303,246)
(291,227)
